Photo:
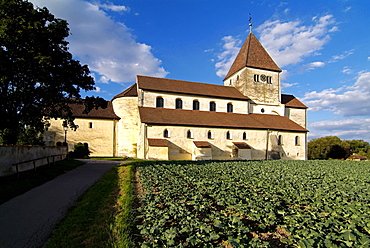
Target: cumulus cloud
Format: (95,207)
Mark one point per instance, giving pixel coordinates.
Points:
(106,46)
(347,101)
(231,48)
(289,42)
(286,42)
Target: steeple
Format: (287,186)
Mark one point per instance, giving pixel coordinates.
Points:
(253,55)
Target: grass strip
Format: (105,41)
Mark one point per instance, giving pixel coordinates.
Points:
(102,217)
(12,186)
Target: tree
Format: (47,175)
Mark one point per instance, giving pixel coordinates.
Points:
(319,148)
(39,79)
(338,152)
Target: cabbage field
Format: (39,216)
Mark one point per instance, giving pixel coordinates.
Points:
(255,204)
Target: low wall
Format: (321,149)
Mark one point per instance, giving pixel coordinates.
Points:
(10,155)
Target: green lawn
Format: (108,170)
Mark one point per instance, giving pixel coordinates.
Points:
(103,216)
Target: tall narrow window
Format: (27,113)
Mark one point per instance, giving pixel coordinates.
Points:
(210,135)
(195,105)
(280,140)
(178,103)
(166,133)
(159,102)
(212,106)
(269,79)
(228,135)
(189,134)
(245,136)
(297,141)
(229,107)
(256,78)
(90,125)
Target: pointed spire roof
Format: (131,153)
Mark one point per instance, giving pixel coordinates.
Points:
(252,54)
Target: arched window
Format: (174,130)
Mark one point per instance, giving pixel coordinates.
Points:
(228,135)
(229,107)
(210,135)
(189,134)
(269,79)
(256,78)
(245,136)
(195,105)
(280,140)
(297,141)
(178,103)
(166,133)
(212,106)
(159,102)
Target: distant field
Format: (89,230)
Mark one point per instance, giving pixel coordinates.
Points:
(255,204)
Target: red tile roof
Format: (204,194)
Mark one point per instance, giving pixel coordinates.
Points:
(100,113)
(192,88)
(241,145)
(202,144)
(157,142)
(252,54)
(130,91)
(292,102)
(180,117)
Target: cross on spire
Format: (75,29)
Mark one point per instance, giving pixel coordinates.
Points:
(250,23)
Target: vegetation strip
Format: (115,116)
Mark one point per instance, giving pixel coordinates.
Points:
(11,186)
(255,204)
(103,216)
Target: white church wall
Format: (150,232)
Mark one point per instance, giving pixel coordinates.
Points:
(127,127)
(297,115)
(239,106)
(98,133)
(259,92)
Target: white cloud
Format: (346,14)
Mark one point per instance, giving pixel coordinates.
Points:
(289,42)
(347,70)
(106,46)
(226,58)
(287,85)
(347,129)
(112,7)
(344,55)
(346,101)
(315,65)
(347,9)
(286,42)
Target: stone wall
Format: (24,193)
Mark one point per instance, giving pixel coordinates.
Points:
(10,155)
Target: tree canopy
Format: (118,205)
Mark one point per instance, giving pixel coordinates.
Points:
(39,78)
(335,148)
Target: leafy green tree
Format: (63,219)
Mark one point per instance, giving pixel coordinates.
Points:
(359,147)
(319,148)
(39,79)
(339,152)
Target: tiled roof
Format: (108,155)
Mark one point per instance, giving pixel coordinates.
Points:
(130,91)
(180,117)
(202,144)
(100,113)
(252,54)
(241,145)
(157,142)
(185,87)
(291,102)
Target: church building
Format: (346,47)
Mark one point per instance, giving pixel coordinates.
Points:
(167,119)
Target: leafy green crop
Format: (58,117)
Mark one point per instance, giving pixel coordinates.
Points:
(255,204)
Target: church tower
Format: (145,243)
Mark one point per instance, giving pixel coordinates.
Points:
(256,75)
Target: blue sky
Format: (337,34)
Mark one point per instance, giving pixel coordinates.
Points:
(323,48)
